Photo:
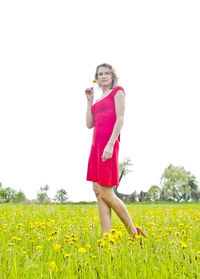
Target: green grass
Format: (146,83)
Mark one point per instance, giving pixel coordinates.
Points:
(65,241)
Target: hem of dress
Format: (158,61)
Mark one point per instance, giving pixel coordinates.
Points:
(101,184)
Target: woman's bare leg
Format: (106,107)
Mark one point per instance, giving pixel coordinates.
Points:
(104,210)
(108,196)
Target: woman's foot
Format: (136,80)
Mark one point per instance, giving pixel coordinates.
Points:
(140,232)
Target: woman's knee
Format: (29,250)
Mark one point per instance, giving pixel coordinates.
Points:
(96,189)
(106,193)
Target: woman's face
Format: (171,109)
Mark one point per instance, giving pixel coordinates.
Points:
(104,76)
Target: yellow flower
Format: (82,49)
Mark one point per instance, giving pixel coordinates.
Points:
(56,247)
(198,252)
(66,255)
(87,245)
(183,244)
(107,234)
(54,266)
(10,244)
(14,238)
(82,250)
(138,236)
(20,225)
(50,238)
(169,229)
(119,233)
(39,247)
(94,80)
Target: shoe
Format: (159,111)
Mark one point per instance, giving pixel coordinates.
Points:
(140,232)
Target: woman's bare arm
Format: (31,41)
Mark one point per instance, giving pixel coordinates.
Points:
(89,116)
(119,99)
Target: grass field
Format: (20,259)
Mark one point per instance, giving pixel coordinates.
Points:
(65,241)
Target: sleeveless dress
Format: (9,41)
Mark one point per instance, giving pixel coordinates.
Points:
(104,173)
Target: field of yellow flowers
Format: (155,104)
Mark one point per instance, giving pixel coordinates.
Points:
(65,241)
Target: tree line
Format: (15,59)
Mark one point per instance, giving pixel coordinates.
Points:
(10,195)
(176,184)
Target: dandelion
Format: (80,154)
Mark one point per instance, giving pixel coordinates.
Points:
(19,225)
(56,247)
(82,250)
(169,229)
(50,238)
(38,247)
(66,255)
(107,234)
(94,80)
(87,245)
(10,244)
(119,233)
(198,252)
(183,244)
(54,266)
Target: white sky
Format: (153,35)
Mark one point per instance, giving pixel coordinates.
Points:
(49,51)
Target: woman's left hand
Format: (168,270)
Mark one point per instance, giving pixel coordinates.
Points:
(107,153)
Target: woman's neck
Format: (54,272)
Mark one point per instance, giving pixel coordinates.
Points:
(106,89)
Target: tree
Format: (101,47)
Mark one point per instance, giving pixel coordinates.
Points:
(175,183)
(1,193)
(124,167)
(20,197)
(143,196)
(42,196)
(61,196)
(8,194)
(195,193)
(154,192)
(123,171)
(126,197)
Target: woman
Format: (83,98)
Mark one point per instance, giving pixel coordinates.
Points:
(106,116)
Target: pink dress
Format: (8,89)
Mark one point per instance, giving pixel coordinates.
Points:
(104,173)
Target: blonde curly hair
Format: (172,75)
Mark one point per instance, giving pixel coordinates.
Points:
(114,75)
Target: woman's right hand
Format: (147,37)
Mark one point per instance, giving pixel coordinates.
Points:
(89,92)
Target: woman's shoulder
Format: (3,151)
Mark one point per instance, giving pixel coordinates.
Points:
(118,88)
